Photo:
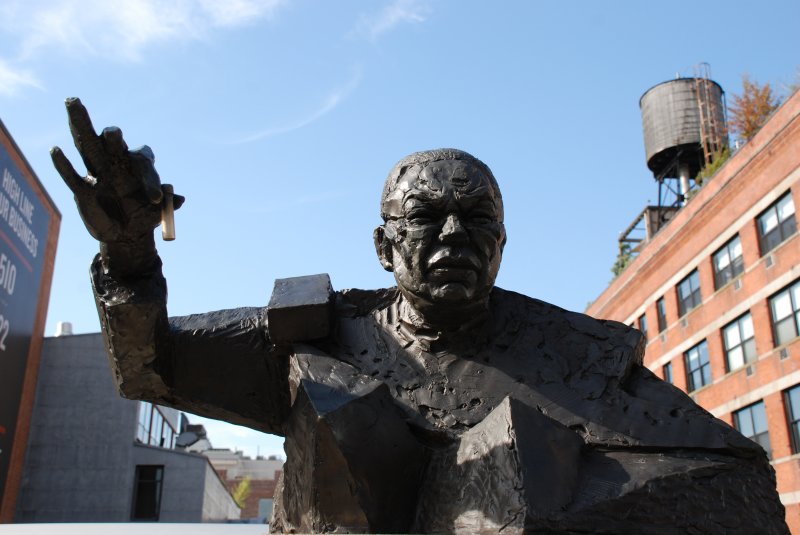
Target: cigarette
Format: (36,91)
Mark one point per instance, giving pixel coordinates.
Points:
(167,214)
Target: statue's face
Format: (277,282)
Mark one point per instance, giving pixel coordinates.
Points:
(445,233)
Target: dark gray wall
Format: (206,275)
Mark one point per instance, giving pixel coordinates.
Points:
(82,454)
(184,483)
(80,446)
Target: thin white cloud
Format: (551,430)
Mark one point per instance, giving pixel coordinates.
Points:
(12,80)
(333,99)
(236,12)
(396,13)
(119,29)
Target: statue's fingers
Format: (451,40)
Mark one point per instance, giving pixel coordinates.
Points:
(114,142)
(101,229)
(142,159)
(74,181)
(86,140)
(178,200)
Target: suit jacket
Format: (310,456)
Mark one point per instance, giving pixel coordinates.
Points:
(530,419)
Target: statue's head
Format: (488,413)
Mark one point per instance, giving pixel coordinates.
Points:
(443,232)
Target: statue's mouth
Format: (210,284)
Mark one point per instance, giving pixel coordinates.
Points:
(448,266)
(457,260)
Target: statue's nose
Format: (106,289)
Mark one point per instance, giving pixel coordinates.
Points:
(453,229)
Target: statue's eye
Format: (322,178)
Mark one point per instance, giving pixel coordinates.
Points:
(421,217)
(480,218)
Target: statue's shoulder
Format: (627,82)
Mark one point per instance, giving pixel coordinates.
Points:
(354,302)
(602,359)
(573,337)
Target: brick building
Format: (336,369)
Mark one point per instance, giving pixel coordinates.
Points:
(263,473)
(717,293)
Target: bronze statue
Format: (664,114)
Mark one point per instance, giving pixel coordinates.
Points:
(443,405)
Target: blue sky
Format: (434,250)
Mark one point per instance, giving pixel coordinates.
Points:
(279,120)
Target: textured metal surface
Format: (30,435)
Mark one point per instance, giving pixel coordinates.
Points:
(300,308)
(671,123)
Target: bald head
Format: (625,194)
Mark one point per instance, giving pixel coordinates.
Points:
(415,174)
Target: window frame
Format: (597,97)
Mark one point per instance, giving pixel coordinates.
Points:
(167,435)
(792,291)
(759,437)
(747,345)
(153,428)
(704,368)
(792,420)
(156,424)
(642,324)
(144,421)
(667,373)
(139,484)
(661,314)
(735,266)
(785,228)
(695,297)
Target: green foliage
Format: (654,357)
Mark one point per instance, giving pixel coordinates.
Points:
(624,257)
(710,169)
(242,492)
(752,108)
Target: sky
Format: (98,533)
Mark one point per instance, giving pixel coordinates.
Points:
(280,119)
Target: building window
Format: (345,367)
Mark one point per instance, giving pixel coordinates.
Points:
(752,423)
(689,293)
(698,367)
(791,399)
(143,426)
(643,325)
(776,223)
(661,310)
(153,429)
(667,372)
(739,341)
(167,436)
(147,493)
(728,263)
(785,309)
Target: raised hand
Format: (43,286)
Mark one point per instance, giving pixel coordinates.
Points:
(120,198)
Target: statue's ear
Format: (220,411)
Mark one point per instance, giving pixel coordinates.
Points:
(384,248)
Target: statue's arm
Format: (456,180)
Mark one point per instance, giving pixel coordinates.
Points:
(221,364)
(218,364)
